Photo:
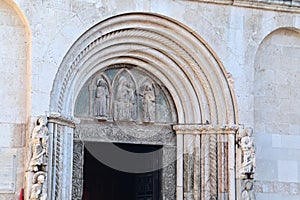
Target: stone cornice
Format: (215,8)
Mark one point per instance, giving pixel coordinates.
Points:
(292,6)
(284,6)
(198,129)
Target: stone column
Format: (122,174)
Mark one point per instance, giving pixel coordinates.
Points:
(188,161)
(206,161)
(61,152)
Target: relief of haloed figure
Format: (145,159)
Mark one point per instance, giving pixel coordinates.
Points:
(148,103)
(38,189)
(125,100)
(101,100)
(248,193)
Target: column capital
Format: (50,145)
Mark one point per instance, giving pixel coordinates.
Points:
(198,129)
(57,118)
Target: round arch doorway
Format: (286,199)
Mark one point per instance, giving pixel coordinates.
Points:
(171,53)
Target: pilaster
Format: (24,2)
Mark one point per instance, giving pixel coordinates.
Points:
(206,161)
(60,154)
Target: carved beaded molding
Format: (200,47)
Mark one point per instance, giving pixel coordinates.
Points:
(161,46)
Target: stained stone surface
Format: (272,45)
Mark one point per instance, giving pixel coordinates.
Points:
(8,174)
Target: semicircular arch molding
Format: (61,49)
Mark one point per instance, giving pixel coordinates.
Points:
(181,60)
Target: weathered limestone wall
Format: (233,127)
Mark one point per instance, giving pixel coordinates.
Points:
(277,116)
(14,92)
(237,35)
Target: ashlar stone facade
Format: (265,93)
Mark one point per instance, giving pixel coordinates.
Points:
(214,83)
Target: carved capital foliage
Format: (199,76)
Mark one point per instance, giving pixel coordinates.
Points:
(205,129)
(57,118)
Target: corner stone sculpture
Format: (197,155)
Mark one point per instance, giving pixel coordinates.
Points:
(247,147)
(248,154)
(39,159)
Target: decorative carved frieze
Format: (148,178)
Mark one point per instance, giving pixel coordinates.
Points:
(77,174)
(122,132)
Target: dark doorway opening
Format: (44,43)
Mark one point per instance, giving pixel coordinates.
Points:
(103,182)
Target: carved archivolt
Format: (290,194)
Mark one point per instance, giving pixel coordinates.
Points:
(193,77)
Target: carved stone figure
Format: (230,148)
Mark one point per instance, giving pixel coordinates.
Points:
(125,97)
(148,104)
(248,193)
(39,146)
(248,154)
(101,96)
(38,190)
